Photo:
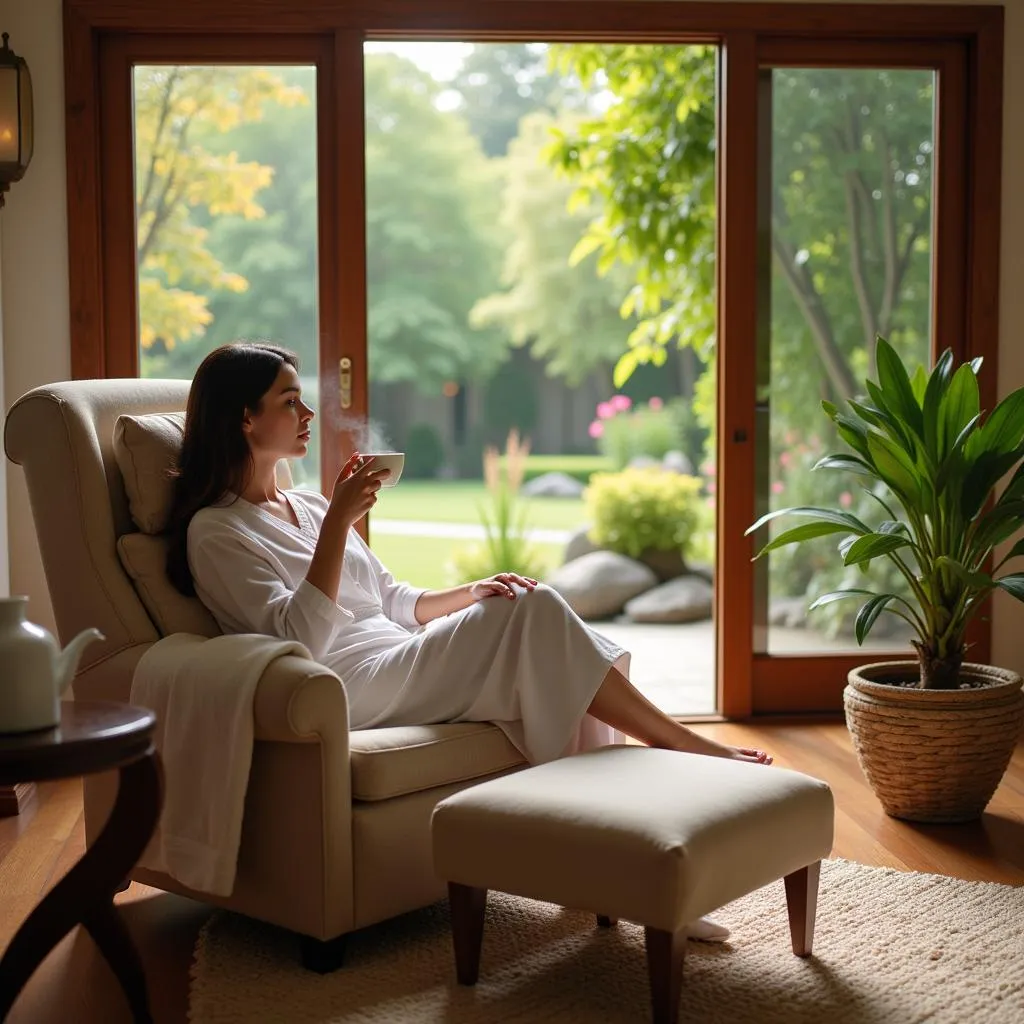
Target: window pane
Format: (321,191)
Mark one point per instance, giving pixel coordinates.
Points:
(494,307)
(226,215)
(850,157)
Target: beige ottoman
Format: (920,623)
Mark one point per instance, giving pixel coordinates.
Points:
(652,836)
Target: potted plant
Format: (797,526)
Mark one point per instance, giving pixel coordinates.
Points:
(933,736)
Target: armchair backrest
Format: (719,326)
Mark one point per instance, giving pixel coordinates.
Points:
(62,436)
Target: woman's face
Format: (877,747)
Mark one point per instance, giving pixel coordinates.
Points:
(280,427)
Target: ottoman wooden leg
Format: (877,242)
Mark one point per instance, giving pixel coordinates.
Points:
(468,905)
(802,901)
(665,968)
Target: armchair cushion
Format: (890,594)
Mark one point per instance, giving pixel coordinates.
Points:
(145,560)
(407,759)
(146,449)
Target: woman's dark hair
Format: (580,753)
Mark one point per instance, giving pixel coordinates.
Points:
(215,455)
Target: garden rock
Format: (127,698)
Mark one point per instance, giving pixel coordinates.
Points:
(684,599)
(677,462)
(644,462)
(552,485)
(597,585)
(701,569)
(667,565)
(579,544)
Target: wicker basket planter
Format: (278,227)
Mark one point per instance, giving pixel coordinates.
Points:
(933,755)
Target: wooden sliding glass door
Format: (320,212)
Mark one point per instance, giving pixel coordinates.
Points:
(857,194)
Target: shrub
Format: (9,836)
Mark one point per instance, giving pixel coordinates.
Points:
(624,431)
(641,510)
(424,452)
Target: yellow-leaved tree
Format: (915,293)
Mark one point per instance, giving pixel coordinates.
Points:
(182,182)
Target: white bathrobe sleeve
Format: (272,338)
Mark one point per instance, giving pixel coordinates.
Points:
(240,586)
(398,599)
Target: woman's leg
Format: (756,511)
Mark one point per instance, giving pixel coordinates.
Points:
(619,704)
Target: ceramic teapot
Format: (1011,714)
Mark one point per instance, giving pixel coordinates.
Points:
(34,671)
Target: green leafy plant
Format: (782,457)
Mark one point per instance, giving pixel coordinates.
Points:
(933,461)
(504,518)
(641,510)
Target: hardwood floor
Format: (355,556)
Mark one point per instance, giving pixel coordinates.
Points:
(74,984)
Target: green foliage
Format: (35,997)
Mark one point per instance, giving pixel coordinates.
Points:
(851,180)
(432,247)
(651,430)
(648,163)
(498,85)
(932,463)
(565,312)
(424,452)
(641,510)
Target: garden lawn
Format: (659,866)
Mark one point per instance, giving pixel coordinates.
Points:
(456,501)
(424,561)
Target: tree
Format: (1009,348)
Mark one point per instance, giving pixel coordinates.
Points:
(498,85)
(565,313)
(850,202)
(433,246)
(179,177)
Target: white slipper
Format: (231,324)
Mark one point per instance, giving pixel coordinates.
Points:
(704,930)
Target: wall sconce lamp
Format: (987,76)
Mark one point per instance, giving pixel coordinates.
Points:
(16,135)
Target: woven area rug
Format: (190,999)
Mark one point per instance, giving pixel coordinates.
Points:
(890,948)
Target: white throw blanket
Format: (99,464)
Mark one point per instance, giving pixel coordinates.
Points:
(202,692)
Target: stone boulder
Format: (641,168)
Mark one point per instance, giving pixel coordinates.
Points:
(598,585)
(677,462)
(579,544)
(684,599)
(788,612)
(666,565)
(552,485)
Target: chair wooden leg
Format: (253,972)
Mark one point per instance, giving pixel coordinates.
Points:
(320,956)
(604,921)
(467,905)
(802,901)
(665,951)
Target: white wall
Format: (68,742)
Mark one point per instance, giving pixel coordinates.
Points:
(33,266)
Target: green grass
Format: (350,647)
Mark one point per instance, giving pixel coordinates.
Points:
(423,561)
(455,501)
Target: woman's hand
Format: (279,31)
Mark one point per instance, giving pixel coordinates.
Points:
(355,490)
(501,585)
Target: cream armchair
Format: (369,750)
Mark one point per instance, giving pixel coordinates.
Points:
(336,829)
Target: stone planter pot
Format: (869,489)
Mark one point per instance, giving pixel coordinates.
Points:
(933,755)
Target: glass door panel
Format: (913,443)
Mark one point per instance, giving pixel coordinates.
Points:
(846,187)
(226,217)
(497,317)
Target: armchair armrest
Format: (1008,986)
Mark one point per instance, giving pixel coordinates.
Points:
(301,701)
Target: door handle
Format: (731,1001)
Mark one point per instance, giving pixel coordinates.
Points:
(345,382)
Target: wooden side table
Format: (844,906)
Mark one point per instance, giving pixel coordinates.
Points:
(93,736)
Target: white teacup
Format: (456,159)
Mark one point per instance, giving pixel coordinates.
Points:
(394,461)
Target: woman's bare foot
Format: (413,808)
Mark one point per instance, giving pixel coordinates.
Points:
(693,743)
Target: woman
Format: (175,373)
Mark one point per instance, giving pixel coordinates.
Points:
(288,563)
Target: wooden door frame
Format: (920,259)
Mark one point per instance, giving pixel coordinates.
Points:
(745,31)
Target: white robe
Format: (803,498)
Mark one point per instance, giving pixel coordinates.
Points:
(531,666)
